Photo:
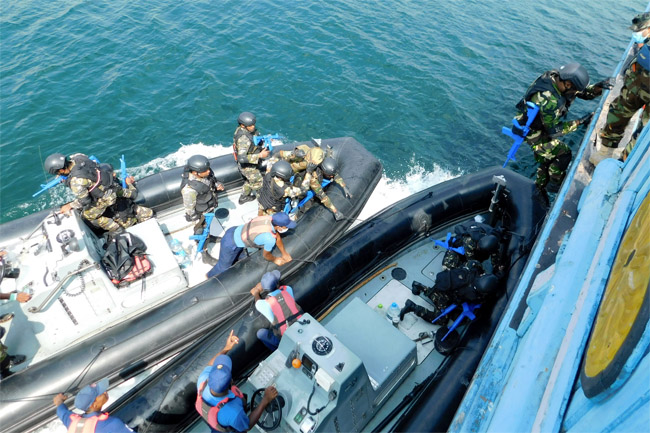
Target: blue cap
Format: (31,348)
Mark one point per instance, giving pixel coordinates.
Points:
(221,374)
(89,393)
(270,280)
(281,219)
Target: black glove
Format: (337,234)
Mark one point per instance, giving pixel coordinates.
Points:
(584,120)
(605,84)
(338,216)
(347,192)
(311,167)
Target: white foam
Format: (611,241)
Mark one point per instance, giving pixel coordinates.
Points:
(389,191)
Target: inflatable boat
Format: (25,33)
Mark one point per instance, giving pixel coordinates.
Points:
(79,326)
(343,366)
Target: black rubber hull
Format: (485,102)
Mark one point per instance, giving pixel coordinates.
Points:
(165,401)
(135,344)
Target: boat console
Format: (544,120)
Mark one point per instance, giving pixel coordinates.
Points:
(72,296)
(334,377)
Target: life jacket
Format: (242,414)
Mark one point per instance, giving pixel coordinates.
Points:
(475,230)
(252,149)
(80,424)
(643,58)
(542,84)
(206,195)
(285,310)
(100,174)
(209,413)
(254,228)
(271,195)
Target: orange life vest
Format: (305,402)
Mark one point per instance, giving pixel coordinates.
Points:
(209,413)
(254,228)
(80,424)
(285,310)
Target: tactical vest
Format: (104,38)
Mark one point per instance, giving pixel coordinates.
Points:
(80,424)
(252,149)
(209,413)
(271,195)
(542,84)
(458,283)
(206,195)
(254,228)
(285,310)
(100,174)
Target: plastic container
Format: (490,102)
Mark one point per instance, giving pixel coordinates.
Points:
(392,314)
(182,257)
(379,309)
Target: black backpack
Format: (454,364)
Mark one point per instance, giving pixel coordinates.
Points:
(125,259)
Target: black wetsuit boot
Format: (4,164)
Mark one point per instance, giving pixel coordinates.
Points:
(420,311)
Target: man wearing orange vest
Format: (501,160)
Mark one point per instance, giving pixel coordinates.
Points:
(90,400)
(260,232)
(219,402)
(278,307)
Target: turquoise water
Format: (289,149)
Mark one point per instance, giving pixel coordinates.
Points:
(426,86)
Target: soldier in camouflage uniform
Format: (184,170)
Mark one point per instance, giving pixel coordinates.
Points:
(553,92)
(277,188)
(94,187)
(634,94)
(125,211)
(248,156)
(324,165)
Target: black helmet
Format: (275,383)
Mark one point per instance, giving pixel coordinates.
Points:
(576,73)
(247,118)
(282,169)
(198,163)
(489,244)
(329,166)
(486,284)
(54,163)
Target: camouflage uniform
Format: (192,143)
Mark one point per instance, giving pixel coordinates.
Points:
(634,95)
(553,155)
(98,211)
(127,213)
(247,156)
(313,155)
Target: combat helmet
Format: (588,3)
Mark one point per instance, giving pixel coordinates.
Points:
(198,163)
(246,118)
(489,244)
(486,284)
(282,169)
(54,163)
(329,166)
(640,22)
(576,73)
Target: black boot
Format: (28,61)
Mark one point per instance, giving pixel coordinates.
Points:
(417,288)
(246,198)
(418,310)
(208,259)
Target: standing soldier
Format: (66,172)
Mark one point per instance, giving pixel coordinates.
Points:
(277,187)
(634,95)
(553,92)
(94,187)
(248,156)
(199,188)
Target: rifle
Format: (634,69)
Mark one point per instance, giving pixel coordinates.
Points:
(123,171)
(521,131)
(51,184)
(446,245)
(266,139)
(203,236)
(310,194)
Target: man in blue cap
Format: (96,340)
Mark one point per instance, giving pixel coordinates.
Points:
(279,307)
(220,403)
(261,232)
(90,399)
